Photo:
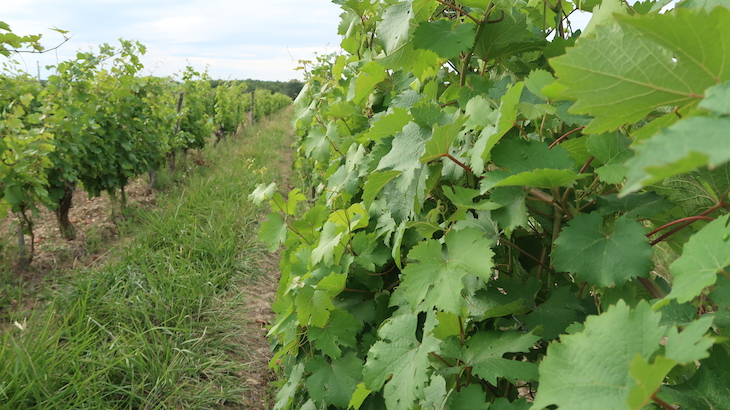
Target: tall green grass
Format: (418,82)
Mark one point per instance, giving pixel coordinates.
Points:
(159,325)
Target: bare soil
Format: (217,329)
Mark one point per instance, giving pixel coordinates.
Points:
(97,233)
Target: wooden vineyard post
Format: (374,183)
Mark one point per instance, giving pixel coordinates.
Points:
(251,115)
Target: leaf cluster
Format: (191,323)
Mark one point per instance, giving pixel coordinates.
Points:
(505,213)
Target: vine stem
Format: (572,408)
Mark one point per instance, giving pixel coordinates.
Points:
(663,404)
(714,208)
(357,290)
(481,25)
(564,136)
(459,9)
(459,163)
(689,218)
(522,251)
(441,359)
(652,287)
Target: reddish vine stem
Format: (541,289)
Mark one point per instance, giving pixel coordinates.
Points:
(714,208)
(652,287)
(689,218)
(586,165)
(383,273)
(663,404)
(441,359)
(459,163)
(564,136)
(357,290)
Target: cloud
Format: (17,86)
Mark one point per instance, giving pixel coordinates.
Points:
(237,39)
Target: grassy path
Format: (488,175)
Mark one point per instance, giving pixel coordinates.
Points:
(170,321)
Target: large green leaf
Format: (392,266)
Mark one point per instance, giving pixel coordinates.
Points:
(387,125)
(273,231)
(436,279)
(603,255)
(371,74)
(339,330)
(444,38)
(542,178)
(708,388)
(704,255)
(507,37)
(333,382)
(646,62)
(401,359)
(518,155)
(440,143)
(685,146)
(590,369)
(393,30)
(484,353)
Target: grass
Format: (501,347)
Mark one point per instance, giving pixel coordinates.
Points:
(159,325)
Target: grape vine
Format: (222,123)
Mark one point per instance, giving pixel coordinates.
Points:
(509,213)
(99,123)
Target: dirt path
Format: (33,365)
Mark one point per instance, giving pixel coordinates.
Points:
(260,295)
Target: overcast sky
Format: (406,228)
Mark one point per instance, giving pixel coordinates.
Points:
(235,39)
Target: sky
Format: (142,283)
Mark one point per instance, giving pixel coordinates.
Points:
(240,39)
(234,39)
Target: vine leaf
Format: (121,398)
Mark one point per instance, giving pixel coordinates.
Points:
(491,135)
(643,205)
(644,63)
(471,397)
(517,155)
(333,382)
(400,357)
(386,125)
(484,353)
(673,151)
(612,150)
(371,74)
(313,306)
(435,279)
(262,193)
(603,255)
(507,37)
(647,378)
(273,231)
(603,14)
(436,394)
(542,178)
(358,397)
(690,344)
(375,182)
(286,393)
(393,30)
(463,199)
(583,369)
(443,38)
(440,143)
(556,314)
(328,241)
(707,389)
(705,254)
(681,348)
(717,98)
(339,330)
